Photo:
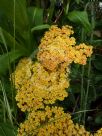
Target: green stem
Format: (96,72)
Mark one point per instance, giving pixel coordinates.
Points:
(89,65)
(13,80)
(82,93)
(6,103)
(67,7)
(88,86)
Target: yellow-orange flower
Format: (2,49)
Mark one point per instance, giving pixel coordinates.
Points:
(51,122)
(37,86)
(57,47)
(99,132)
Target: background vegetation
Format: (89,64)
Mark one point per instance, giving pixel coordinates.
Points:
(22,24)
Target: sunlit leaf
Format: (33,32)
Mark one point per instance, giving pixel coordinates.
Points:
(80,17)
(40,27)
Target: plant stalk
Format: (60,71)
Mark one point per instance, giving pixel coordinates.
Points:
(89,65)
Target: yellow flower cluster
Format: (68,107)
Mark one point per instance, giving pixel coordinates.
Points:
(58,47)
(51,122)
(98,133)
(37,86)
(82,51)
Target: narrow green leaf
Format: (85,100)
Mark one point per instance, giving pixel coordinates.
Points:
(6,129)
(9,39)
(15,16)
(40,27)
(51,10)
(80,17)
(35,16)
(20,11)
(6,103)
(7,58)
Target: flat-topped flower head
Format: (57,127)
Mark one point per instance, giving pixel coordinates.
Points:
(37,86)
(46,122)
(51,122)
(58,47)
(99,132)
